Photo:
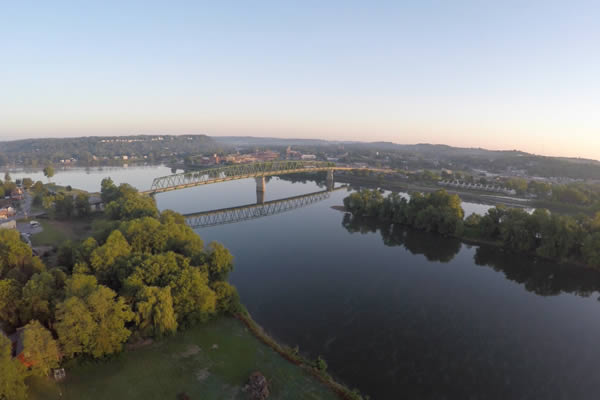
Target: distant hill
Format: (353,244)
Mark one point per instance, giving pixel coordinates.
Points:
(154,147)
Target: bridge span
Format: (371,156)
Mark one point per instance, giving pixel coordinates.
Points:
(244,171)
(254,211)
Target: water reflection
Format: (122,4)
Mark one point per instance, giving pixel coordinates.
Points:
(538,276)
(261,209)
(417,242)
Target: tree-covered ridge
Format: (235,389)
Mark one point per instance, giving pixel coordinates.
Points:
(89,150)
(558,237)
(142,274)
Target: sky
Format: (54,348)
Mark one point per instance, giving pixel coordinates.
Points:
(495,74)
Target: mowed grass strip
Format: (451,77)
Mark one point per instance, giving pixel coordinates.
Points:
(211,361)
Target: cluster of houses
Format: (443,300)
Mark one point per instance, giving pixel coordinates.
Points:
(478,186)
(259,156)
(16,194)
(7,212)
(296,155)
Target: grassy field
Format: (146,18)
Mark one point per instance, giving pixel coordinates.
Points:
(56,232)
(211,361)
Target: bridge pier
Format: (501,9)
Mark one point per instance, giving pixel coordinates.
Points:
(260,189)
(330,182)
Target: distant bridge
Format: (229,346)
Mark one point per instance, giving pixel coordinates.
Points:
(244,171)
(254,211)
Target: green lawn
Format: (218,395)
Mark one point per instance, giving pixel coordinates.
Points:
(187,362)
(56,232)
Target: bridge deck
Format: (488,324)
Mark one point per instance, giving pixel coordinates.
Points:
(242,171)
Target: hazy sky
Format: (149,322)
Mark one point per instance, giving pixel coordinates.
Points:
(496,74)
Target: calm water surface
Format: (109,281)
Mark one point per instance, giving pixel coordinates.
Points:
(400,313)
(403,314)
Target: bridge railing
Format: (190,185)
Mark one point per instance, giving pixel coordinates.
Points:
(236,171)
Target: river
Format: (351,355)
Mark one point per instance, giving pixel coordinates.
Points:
(399,313)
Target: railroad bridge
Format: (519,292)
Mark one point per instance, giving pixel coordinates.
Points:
(244,171)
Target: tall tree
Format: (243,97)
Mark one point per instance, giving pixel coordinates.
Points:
(82,204)
(92,320)
(10,296)
(49,172)
(40,349)
(154,312)
(103,258)
(220,261)
(12,373)
(38,298)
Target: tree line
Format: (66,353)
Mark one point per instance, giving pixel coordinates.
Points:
(142,274)
(93,150)
(549,235)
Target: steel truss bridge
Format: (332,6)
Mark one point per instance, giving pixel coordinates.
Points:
(253,211)
(240,171)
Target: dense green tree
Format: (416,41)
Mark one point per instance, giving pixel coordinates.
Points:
(63,205)
(92,319)
(103,258)
(108,191)
(183,240)
(518,230)
(82,204)
(146,235)
(27,183)
(80,285)
(157,270)
(40,349)
(38,187)
(75,327)
(16,258)
(560,237)
(86,249)
(10,296)
(49,172)
(220,262)
(490,222)
(131,205)
(518,184)
(12,373)
(228,299)
(194,301)
(155,315)
(171,217)
(39,297)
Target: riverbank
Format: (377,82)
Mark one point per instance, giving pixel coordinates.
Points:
(293,356)
(210,361)
(470,238)
(398,186)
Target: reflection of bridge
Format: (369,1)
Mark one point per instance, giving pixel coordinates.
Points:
(243,171)
(253,211)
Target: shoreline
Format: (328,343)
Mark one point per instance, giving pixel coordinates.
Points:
(483,242)
(295,358)
(481,197)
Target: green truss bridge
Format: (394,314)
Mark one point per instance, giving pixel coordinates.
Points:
(240,171)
